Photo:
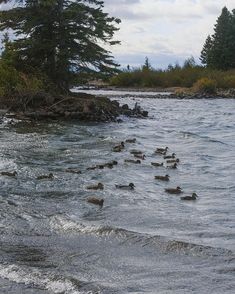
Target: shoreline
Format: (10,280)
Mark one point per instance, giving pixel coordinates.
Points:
(75,106)
(157,93)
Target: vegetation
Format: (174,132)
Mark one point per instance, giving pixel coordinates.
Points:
(54,40)
(217,56)
(218,50)
(174,76)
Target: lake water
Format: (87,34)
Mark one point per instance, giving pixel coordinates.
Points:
(141,241)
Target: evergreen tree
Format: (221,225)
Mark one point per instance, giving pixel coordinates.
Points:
(218,50)
(61,37)
(206,50)
(147,66)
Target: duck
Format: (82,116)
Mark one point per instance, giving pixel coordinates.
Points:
(176,190)
(131,186)
(99,186)
(9,174)
(132,161)
(174,166)
(92,168)
(110,164)
(96,201)
(134,151)
(156,164)
(192,197)
(140,156)
(131,140)
(173,160)
(161,150)
(100,166)
(119,148)
(42,177)
(163,178)
(73,171)
(172,156)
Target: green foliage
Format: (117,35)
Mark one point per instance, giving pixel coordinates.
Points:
(60,38)
(174,76)
(205,85)
(13,82)
(218,50)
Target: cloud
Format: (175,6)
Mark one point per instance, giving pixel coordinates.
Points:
(164,29)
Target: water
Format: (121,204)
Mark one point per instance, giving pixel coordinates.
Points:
(142,241)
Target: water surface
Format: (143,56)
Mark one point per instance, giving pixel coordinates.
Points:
(142,241)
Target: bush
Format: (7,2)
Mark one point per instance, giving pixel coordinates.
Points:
(205,85)
(13,82)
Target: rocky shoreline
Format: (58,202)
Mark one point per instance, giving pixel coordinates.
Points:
(76,106)
(167,93)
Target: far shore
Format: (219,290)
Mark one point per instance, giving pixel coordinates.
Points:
(170,93)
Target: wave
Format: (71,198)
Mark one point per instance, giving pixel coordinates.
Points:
(160,242)
(34,277)
(206,138)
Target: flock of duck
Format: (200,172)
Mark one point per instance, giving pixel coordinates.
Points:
(171,163)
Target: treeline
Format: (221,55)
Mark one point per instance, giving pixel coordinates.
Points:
(217,56)
(174,76)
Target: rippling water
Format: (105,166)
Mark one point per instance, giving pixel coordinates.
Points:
(142,241)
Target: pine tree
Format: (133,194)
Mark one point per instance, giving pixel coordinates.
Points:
(218,50)
(221,54)
(61,37)
(206,51)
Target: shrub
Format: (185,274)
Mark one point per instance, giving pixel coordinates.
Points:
(205,85)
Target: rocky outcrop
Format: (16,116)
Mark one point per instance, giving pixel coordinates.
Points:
(78,106)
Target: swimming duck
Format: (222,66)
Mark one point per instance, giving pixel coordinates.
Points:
(119,148)
(131,140)
(173,160)
(96,201)
(174,166)
(172,156)
(140,156)
(193,197)
(156,164)
(99,186)
(100,166)
(9,174)
(163,178)
(132,161)
(73,171)
(131,186)
(42,177)
(134,151)
(92,168)
(176,190)
(161,150)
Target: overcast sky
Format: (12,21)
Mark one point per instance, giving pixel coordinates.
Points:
(164,30)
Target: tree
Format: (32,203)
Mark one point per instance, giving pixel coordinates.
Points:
(206,51)
(61,37)
(218,50)
(189,62)
(147,66)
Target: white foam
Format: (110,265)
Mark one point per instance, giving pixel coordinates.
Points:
(66,225)
(32,276)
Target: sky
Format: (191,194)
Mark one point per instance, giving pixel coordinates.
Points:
(166,31)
